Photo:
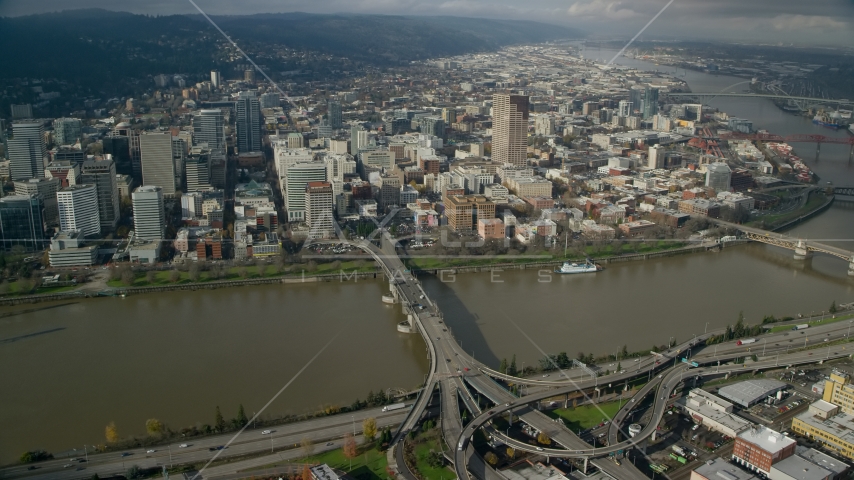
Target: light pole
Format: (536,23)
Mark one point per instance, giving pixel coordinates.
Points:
(705,330)
(764,344)
(170,455)
(86,452)
(849,328)
(271,443)
(353,417)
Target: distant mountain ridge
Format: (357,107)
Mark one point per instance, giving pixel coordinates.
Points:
(108,45)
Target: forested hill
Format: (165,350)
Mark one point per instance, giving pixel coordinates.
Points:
(112,46)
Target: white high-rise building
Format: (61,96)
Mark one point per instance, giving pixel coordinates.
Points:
(216,78)
(544,125)
(510,129)
(27,150)
(162,160)
(655,157)
(248,119)
(78,209)
(625,108)
(149,219)
(296,178)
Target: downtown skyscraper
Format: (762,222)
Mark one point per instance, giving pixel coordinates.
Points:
(248,110)
(27,150)
(209,133)
(510,129)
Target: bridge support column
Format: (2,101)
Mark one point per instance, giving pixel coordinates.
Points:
(801,251)
(584,468)
(851,154)
(817,150)
(851,268)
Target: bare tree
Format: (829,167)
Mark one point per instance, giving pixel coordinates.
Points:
(193,272)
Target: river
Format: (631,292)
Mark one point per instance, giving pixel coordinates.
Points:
(176,356)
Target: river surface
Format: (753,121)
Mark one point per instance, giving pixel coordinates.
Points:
(176,356)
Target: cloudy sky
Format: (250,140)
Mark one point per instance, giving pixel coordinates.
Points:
(813,22)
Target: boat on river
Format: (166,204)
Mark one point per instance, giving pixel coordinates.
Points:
(569,268)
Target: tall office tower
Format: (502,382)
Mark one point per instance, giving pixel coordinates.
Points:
(510,129)
(67,131)
(449,116)
(249,75)
(389,192)
(318,209)
(718,176)
(27,151)
(124,130)
(149,219)
(625,109)
(22,111)
(216,79)
(297,176)
(102,174)
(118,147)
(78,209)
(650,102)
(248,122)
(334,114)
(22,222)
(45,189)
(269,100)
(3,136)
(544,125)
(432,126)
(636,97)
(159,153)
(198,170)
(209,132)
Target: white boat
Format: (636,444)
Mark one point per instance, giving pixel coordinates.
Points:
(569,268)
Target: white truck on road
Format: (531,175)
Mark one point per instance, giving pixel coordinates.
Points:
(394,406)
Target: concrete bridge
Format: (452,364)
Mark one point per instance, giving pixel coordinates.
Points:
(802,248)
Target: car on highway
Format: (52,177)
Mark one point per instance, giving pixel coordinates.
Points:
(539,449)
(66,465)
(151,450)
(329,444)
(126,454)
(266,432)
(184,445)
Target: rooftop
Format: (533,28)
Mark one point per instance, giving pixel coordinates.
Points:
(720,469)
(801,469)
(763,437)
(750,391)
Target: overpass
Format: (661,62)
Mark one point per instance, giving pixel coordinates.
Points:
(452,370)
(802,248)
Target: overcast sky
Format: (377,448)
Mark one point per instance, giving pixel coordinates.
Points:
(805,22)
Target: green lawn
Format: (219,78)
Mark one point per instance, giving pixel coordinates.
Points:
(585,416)
(770,221)
(426,262)
(369,465)
(163,277)
(15,289)
(829,319)
(424,445)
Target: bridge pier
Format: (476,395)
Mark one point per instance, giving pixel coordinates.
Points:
(851,268)
(801,251)
(817,150)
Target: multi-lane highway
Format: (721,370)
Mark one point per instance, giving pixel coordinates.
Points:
(320,431)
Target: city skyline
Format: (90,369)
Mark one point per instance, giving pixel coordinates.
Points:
(821,23)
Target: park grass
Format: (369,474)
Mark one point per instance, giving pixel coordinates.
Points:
(15,288)
(585,416)
(162,277)
(424,444)
(771,221)
(830,319)
(428,262)
(370,464)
